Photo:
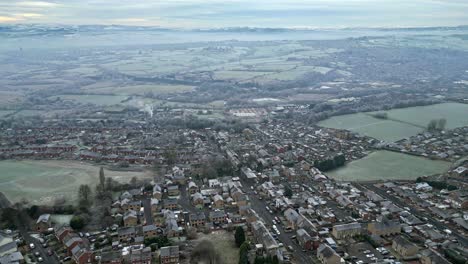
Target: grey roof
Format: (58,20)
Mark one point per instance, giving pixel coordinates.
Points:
(403,242)
(349,226)
(148,228)
(216,214)
(130,213)
(169,251)
(43,218)
(13,258)
(326,251)
(197,216)
(291,215)
(126,231)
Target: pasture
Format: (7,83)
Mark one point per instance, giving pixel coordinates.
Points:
(43,181)
(388,165)
(401,123)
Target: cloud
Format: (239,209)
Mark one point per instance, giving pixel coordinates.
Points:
(232,13)
(29,15)
(6,19)
(37,4)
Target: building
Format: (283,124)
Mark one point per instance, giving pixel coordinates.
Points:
(126,234)
(192,188)
(157,192)
(429,256)
(405,248)
(82,255)
(111,257)
(304,239)
(197,219)
(198,200)
(128,205)
(327,255)
(71,241)
(43,223)
(169,255)
(61,232)
(218,216)
(141,256)
(150,231)
(291,216)
(130,218)
(170,204)
(384,227)
(154,205)
(346,230)
(218,201)
(173,190)
(264,236)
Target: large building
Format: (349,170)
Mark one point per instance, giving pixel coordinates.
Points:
(346,230)
(404,248)
(384,228)
(327,255)
(169,255)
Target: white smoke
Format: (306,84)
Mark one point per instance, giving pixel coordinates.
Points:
(148,108)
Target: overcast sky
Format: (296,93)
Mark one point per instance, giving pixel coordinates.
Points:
(239,13)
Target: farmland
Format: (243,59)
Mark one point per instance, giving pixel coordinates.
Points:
(42,182)
(401,123)
(387,165)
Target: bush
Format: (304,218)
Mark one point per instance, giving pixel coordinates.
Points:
(77,222)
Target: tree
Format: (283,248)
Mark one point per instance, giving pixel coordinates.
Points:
(288,192)
(162,241)
(275,260)
(109,184)
(77,222)
(102,178)
(10,217)
(441,123)
(133,182)
(432,125)
(244,253)
(171,156)
(239,236)
(84,194)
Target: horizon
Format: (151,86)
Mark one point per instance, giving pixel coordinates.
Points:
(197,14)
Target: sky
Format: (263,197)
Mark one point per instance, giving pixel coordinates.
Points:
(239,13)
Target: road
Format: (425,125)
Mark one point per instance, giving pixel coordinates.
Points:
(260,207)
(462,239)
(147,211)
(23,230)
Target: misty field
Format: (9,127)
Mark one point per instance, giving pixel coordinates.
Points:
(41,182)
(402,123)
(387,165)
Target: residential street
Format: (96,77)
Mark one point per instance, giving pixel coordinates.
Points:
(462,239)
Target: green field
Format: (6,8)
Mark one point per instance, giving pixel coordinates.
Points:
(402,123)
(41,182)
(388,165)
